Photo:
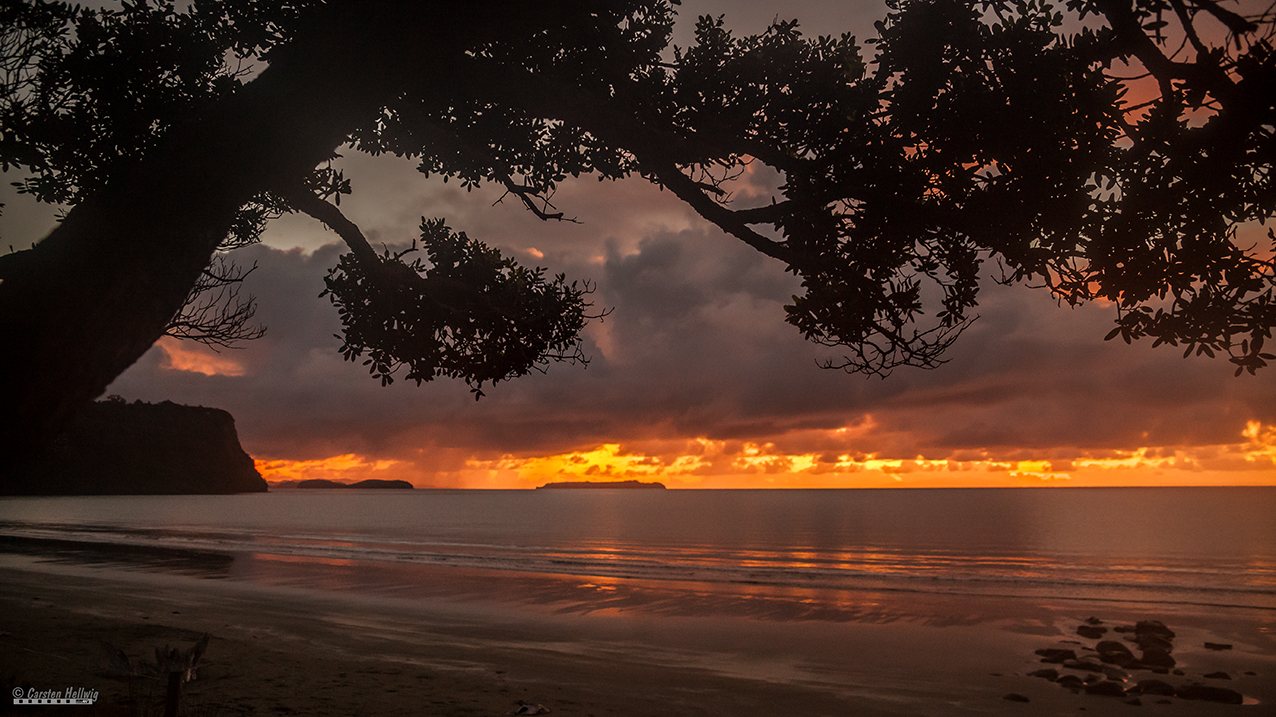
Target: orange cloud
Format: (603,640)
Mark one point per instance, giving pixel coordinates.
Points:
(606,462)
(346,468)
(705,463)
(190,357)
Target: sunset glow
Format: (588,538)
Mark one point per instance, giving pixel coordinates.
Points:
(705,463)
(344,468)
(189,356)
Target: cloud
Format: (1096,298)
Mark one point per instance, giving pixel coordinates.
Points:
(196,358)
(348,467)
(696,349)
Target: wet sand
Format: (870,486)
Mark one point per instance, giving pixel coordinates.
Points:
(304,638)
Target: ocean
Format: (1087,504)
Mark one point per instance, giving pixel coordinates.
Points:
(1159,546)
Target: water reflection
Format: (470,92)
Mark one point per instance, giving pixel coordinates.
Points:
(786,547)
(196,563)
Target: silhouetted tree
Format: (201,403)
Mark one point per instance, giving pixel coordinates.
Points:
(1007,131)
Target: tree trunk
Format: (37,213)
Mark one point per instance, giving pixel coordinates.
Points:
(173,696)
(87,301)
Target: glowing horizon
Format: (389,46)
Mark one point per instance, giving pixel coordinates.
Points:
(705,463)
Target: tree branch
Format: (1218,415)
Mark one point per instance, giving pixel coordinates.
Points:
(527,195)
(1237,24)
(550,99)
(308,203)
(214,313)
(1185,19)
(1131,34)
(685,189)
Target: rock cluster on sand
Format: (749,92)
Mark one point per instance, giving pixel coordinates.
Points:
(1107,666)
(1093,632)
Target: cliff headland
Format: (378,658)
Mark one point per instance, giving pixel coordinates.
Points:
(120,448)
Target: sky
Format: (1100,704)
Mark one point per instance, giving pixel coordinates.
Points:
(694,379)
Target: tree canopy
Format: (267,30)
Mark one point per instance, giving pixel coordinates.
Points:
(1102,149)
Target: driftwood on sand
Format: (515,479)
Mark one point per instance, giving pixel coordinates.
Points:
(172,665)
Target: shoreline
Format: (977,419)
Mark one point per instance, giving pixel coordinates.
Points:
(477,642)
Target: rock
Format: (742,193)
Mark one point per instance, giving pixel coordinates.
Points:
(1072,682)
(1134,702)
(1048,673)
(1123,628)
(1056,655)
(1218,676)
(1092,678)
(1115,673)
(1115,653)
(1112,646)
(1251,673)
(119,448)
(1158,670)
(1016,697)
(1091,632)
(528,708)
(1083,665)
(1180,673)
(1149,642)
(1153,657)
(1154,627)
(1153,687)
(1106,688)
(1209,693)
(1217,646)
(1093,621)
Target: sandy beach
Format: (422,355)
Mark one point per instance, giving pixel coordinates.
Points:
(484,643)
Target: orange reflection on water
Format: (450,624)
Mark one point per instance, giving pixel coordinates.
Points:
(310,559)
(288,540)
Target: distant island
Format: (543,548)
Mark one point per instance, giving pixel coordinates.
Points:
(118,448)
(320,483)
(625,484)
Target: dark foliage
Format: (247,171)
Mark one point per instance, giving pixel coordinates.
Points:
(85,91)
(468,313)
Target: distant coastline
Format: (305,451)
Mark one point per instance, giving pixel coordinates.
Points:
(322,484)
(623,484)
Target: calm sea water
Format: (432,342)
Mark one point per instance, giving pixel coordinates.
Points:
(1208,546)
